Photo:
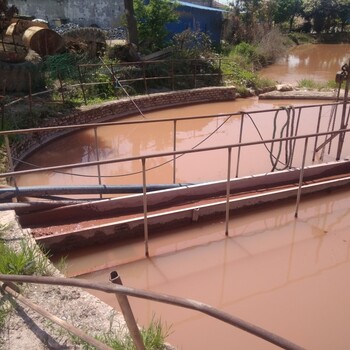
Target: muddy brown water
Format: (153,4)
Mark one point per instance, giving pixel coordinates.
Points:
(278,272)
(317,62)
(135,140)
(284,274)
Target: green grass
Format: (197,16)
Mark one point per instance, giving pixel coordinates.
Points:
(27,260)
(311,84)
(301,38)
(153,338)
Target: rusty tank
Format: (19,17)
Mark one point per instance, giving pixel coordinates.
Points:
(22,35)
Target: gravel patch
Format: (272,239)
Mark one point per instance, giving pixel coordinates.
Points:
(118,33)
(25,329)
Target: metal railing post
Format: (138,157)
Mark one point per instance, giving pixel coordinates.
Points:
(346,70)
(295,134)
(144,78)
(239,141)
(127,313)
(9,156)
(97,158)
(145,220)
(82,85)
(301,177)
(228,185)
(317,130)
(195,74)
(174,149)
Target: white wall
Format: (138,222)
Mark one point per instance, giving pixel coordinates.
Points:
(104,13)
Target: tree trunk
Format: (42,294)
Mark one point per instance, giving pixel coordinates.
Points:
(291,21)
(131,21)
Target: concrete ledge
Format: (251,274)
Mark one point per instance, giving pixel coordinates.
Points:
(300,95)
(157,223)
(133,204)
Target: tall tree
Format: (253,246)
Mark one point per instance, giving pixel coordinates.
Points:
(287,10)
(343,11)
(152,19)
(324,13)
(131,21)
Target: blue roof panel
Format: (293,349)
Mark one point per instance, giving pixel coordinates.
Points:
(189,4)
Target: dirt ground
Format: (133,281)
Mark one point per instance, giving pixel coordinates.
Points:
(25,329)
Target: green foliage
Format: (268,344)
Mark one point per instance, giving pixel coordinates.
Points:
(192,44)
(64,66)
(151,22)
(310,84)
(249,20)
(300,38)
(18,116)
(28,260)
(251,54)
(287,10)
(327,14)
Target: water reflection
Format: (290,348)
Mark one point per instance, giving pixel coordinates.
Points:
(284,274)
(318,62)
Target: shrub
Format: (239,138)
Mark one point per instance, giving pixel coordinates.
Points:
(192,44)
(311,84)
(272,46)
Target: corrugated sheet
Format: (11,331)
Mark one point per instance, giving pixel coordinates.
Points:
(189,4)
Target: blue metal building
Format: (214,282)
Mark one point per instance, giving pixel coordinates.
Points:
(196,17)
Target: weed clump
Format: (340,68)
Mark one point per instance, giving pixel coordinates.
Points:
(310,84)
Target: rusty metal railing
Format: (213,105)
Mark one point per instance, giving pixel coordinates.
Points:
(163,298)
(228,148)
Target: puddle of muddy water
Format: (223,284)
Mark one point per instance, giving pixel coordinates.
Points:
(284,274)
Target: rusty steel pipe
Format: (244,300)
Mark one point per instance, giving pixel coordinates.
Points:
(127,313)
(163,298)
(13,291)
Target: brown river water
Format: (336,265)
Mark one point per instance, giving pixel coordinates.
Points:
(317,62)
(284,274)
